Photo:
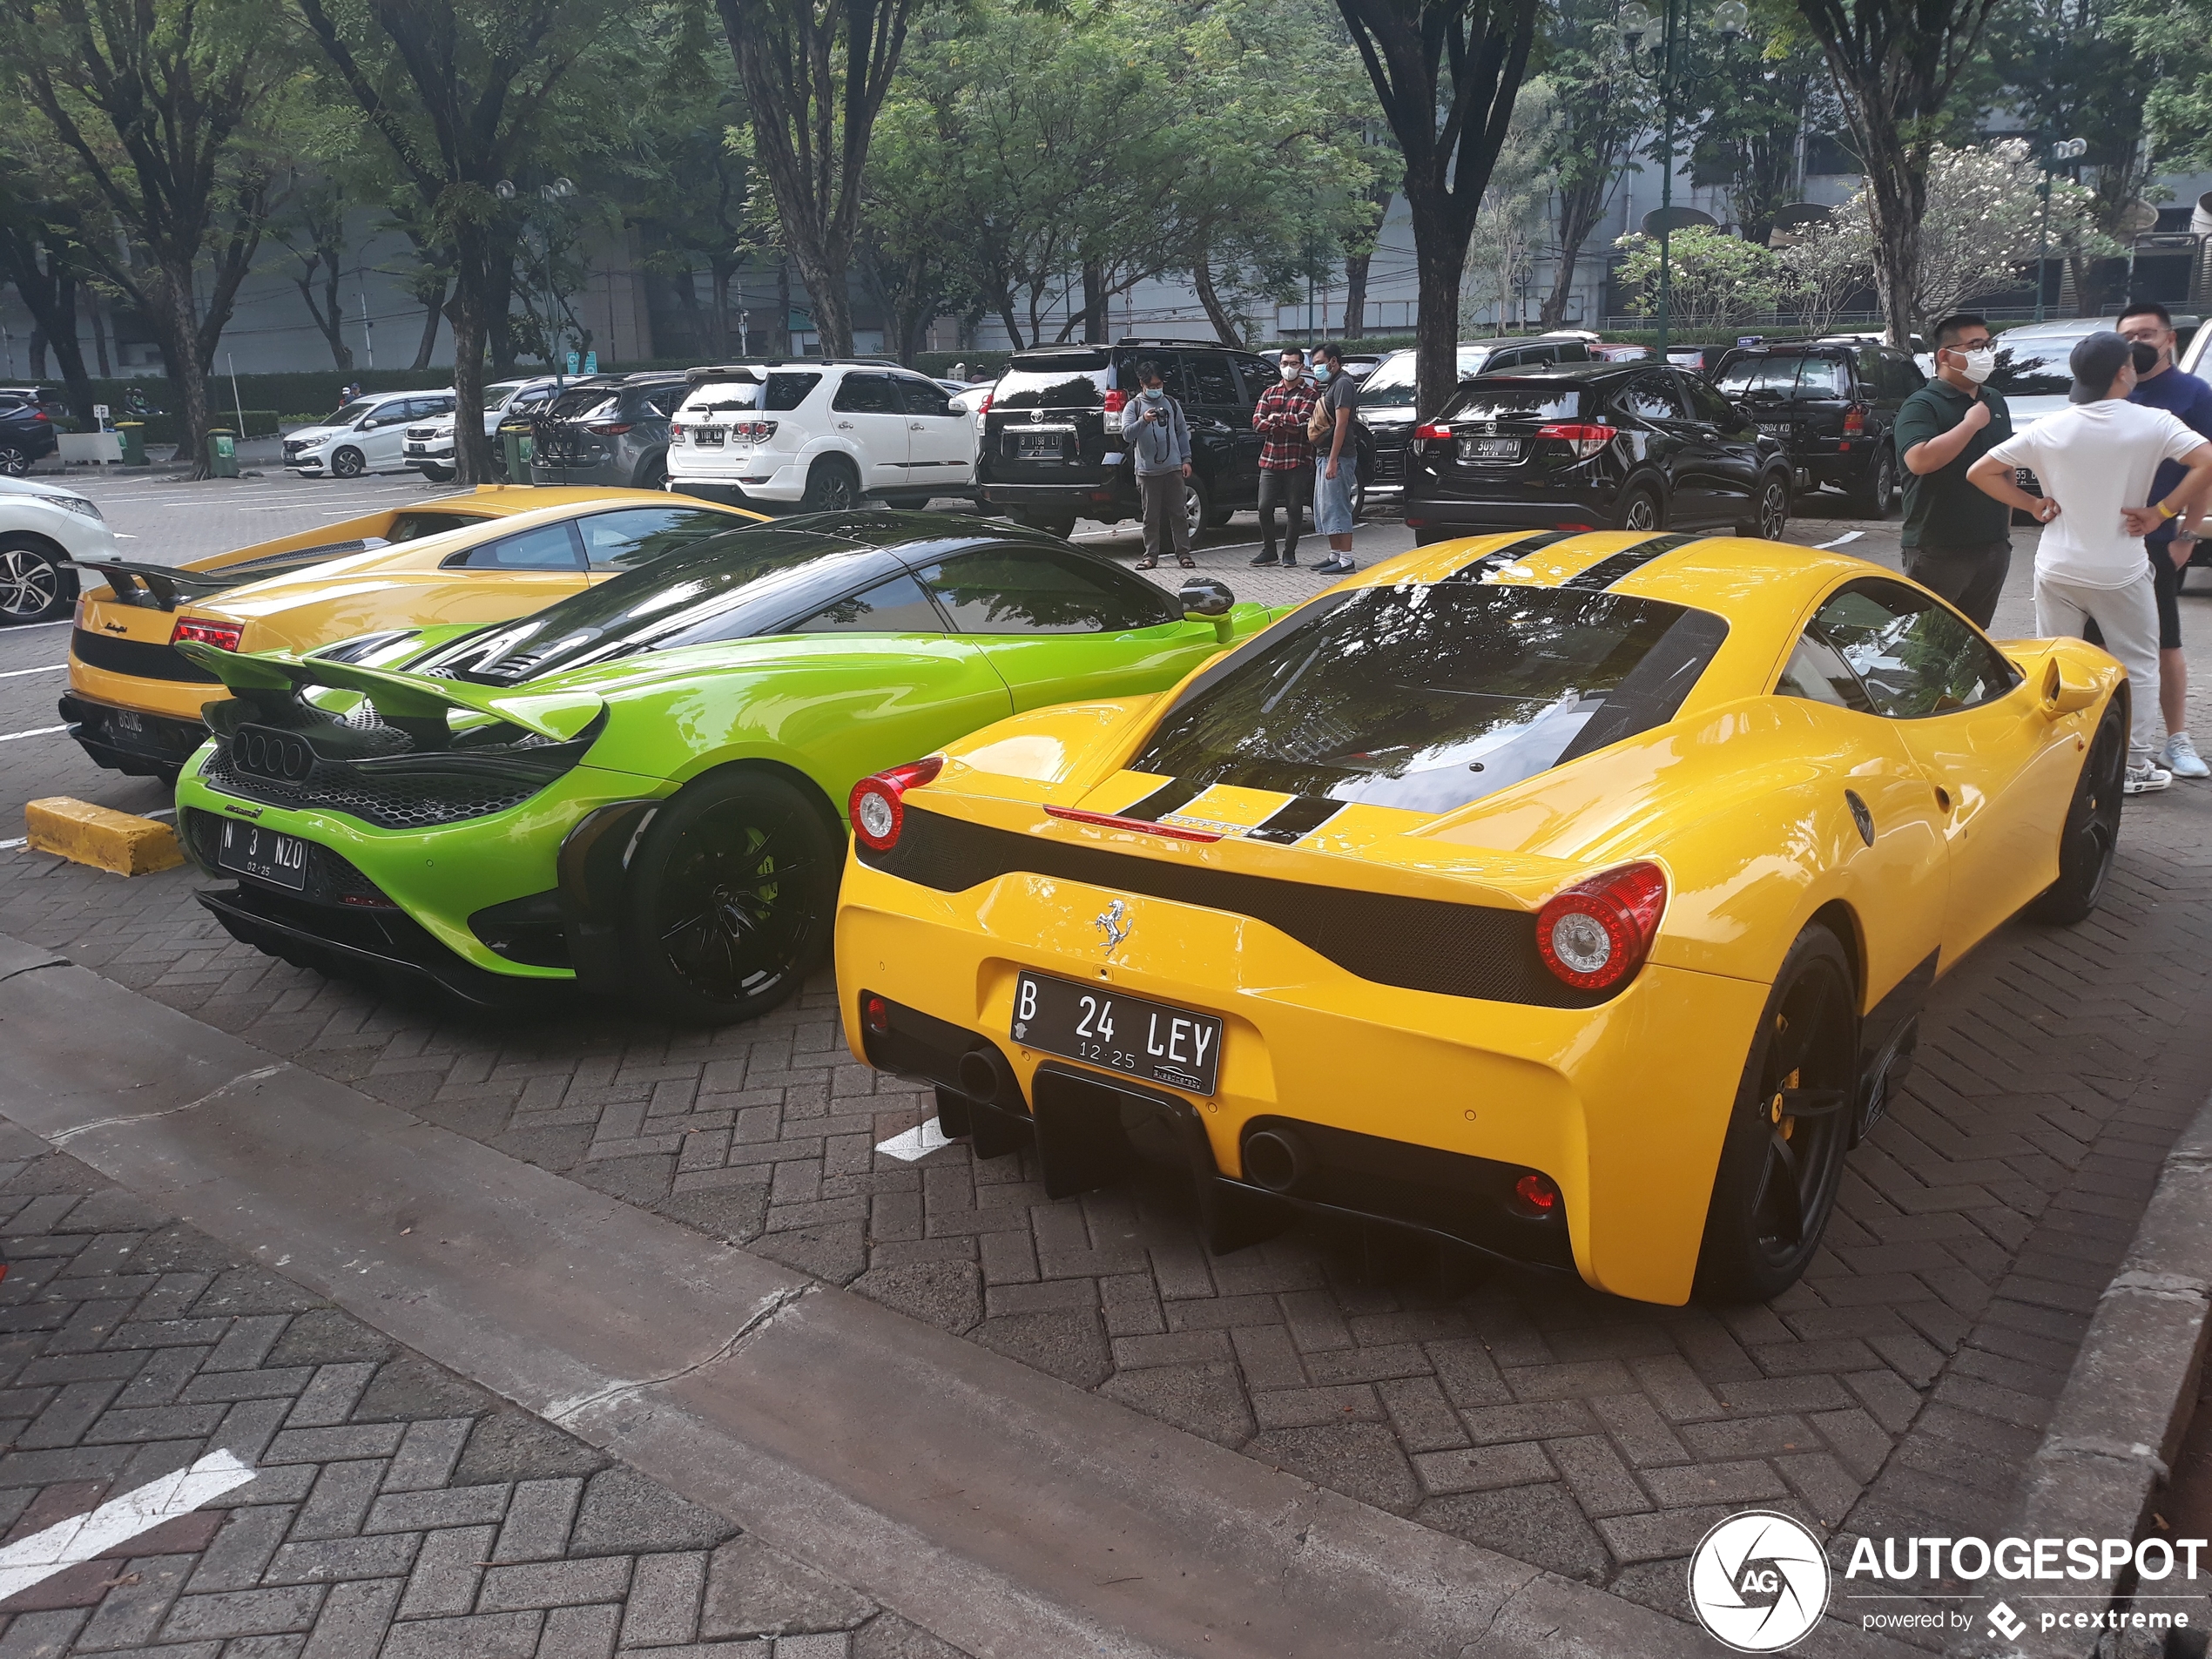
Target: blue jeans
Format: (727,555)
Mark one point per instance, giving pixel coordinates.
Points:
(1332,497)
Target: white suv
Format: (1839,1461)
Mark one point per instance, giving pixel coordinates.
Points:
(429,446)
(367,435)
(820,433)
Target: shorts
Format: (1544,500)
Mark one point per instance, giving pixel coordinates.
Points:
(1332,497)
(2166,583)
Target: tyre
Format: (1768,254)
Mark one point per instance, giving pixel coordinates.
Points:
(2091,834)
(15,460)
(1424,533)
(651,475)
(438,475)
(348,462)
(35,586)
(832,487)
(1197,505)
(1787,1130)
(1873,496)
(1769,510)
(1640,509)
(728,907)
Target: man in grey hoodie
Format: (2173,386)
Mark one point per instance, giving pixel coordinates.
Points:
(1153,427)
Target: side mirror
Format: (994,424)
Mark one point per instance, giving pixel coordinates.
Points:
(1207,596)
(2062,696)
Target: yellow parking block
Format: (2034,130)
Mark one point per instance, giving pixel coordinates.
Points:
(101,837)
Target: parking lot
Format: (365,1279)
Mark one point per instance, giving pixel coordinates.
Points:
(1901,1386)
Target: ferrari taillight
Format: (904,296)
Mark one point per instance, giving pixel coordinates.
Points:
(223,636)
(1584,439)
(1597,933)
(877,806)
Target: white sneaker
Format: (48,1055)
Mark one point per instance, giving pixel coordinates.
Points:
(2144,780)
(2182,758)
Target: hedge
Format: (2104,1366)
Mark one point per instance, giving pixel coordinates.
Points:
(162,429)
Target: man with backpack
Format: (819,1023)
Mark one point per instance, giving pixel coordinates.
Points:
(1159,438)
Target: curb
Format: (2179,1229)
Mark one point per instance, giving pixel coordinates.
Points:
(120,843)
(2118,1424)
(1007,1512)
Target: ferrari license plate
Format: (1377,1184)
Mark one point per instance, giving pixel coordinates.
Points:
(1489,448)
(1037,446)
(1128,1034)
(265,854)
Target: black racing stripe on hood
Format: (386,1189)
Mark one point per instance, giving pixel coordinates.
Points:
(1628,562)
(1498,557)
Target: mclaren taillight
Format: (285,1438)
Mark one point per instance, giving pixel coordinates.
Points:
(878,803)
(1854,421)
(1597,933)
(1435,431)
(1115,402)
(223,636)
(609,428)
(1584,439)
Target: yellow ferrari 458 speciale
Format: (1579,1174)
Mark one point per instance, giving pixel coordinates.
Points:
(494,553)
(1571,897)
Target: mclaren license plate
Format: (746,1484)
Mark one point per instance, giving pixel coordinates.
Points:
(1038,446)
(265,854)
(1489,448)
(1099,1025)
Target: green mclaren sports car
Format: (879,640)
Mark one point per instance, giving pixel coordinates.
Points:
(641,788)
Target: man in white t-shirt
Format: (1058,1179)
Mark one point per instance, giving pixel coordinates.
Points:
(2095,463)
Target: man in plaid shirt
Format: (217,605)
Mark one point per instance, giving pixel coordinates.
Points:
(1285,456)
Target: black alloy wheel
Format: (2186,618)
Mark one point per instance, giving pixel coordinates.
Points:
(348,462)
(1769,510)
(34,585)
(2090,836)
(1783,1157)
(730,898)
(15,460)
(1640,511)
(832,487)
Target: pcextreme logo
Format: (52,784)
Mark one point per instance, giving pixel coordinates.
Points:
(1758,1581)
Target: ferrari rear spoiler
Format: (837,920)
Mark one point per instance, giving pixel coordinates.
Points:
(256,677)
(160,587)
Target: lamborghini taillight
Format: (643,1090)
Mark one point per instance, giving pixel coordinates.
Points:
(1595,934)
(223,636)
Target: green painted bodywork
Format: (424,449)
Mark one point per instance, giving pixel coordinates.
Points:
(833,708)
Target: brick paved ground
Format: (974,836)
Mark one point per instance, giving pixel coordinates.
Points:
(1898,1388)
(397,1510)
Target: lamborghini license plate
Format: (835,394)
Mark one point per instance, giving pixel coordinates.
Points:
(1101,1026)
(265,854)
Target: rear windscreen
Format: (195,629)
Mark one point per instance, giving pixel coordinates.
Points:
(1076,381)
(578,401)
(1514,403)
(2034,368)
(1789,378)
(1429,698)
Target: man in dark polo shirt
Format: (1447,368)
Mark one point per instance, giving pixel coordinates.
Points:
(1958,541)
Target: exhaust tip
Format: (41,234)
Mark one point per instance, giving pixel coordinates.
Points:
(1277,1159)
(983,1075)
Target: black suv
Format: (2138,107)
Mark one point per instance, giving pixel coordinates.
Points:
(1052,451)
(1834,404)
(1386,398)
(1620,446)
(609,430)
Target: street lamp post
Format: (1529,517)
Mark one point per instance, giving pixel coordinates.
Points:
(2064,150)
(1731,19)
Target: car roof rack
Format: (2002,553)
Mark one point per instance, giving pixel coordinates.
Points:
(738,370)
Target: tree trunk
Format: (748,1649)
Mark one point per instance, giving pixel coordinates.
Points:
(780,336)
(427,345)
(831,306)
(97,306)
(1010,317)
(1216,313)
(1355,292)
(1900,198)
(1099,303)
(37,353)
(179,332)
(1439,260)
(328,321)
(476,290)
(1579,209)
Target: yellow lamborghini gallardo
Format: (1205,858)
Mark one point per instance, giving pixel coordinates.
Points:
(485,555)
(1571,897)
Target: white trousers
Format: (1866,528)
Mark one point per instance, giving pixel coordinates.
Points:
(2127,617)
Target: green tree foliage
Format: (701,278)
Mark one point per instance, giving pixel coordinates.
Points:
(1600,106)
(1751,93)
(1717,281)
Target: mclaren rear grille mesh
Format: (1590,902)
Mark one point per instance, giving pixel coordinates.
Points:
(1417,944)
(416,802)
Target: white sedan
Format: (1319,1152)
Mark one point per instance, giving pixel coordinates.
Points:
(43,529)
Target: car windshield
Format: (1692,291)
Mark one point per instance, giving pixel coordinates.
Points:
(496,397)
(350,413)
(1427,697)
(1068,380)
(1526,403)
(2034,368)
(727,587)
(1390,387)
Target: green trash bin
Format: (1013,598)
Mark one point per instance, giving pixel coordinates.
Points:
(133,434)
(515,446)
(222,453)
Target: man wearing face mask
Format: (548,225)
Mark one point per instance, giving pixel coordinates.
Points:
(1286,455)
(1957,540)
(2159,385)
(1154,430)
(2095,461)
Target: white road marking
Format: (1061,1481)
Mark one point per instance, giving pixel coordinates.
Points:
(916,1142)
(17,673)
(36,731)
(62,1546)
(1847,538)
(25,627)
